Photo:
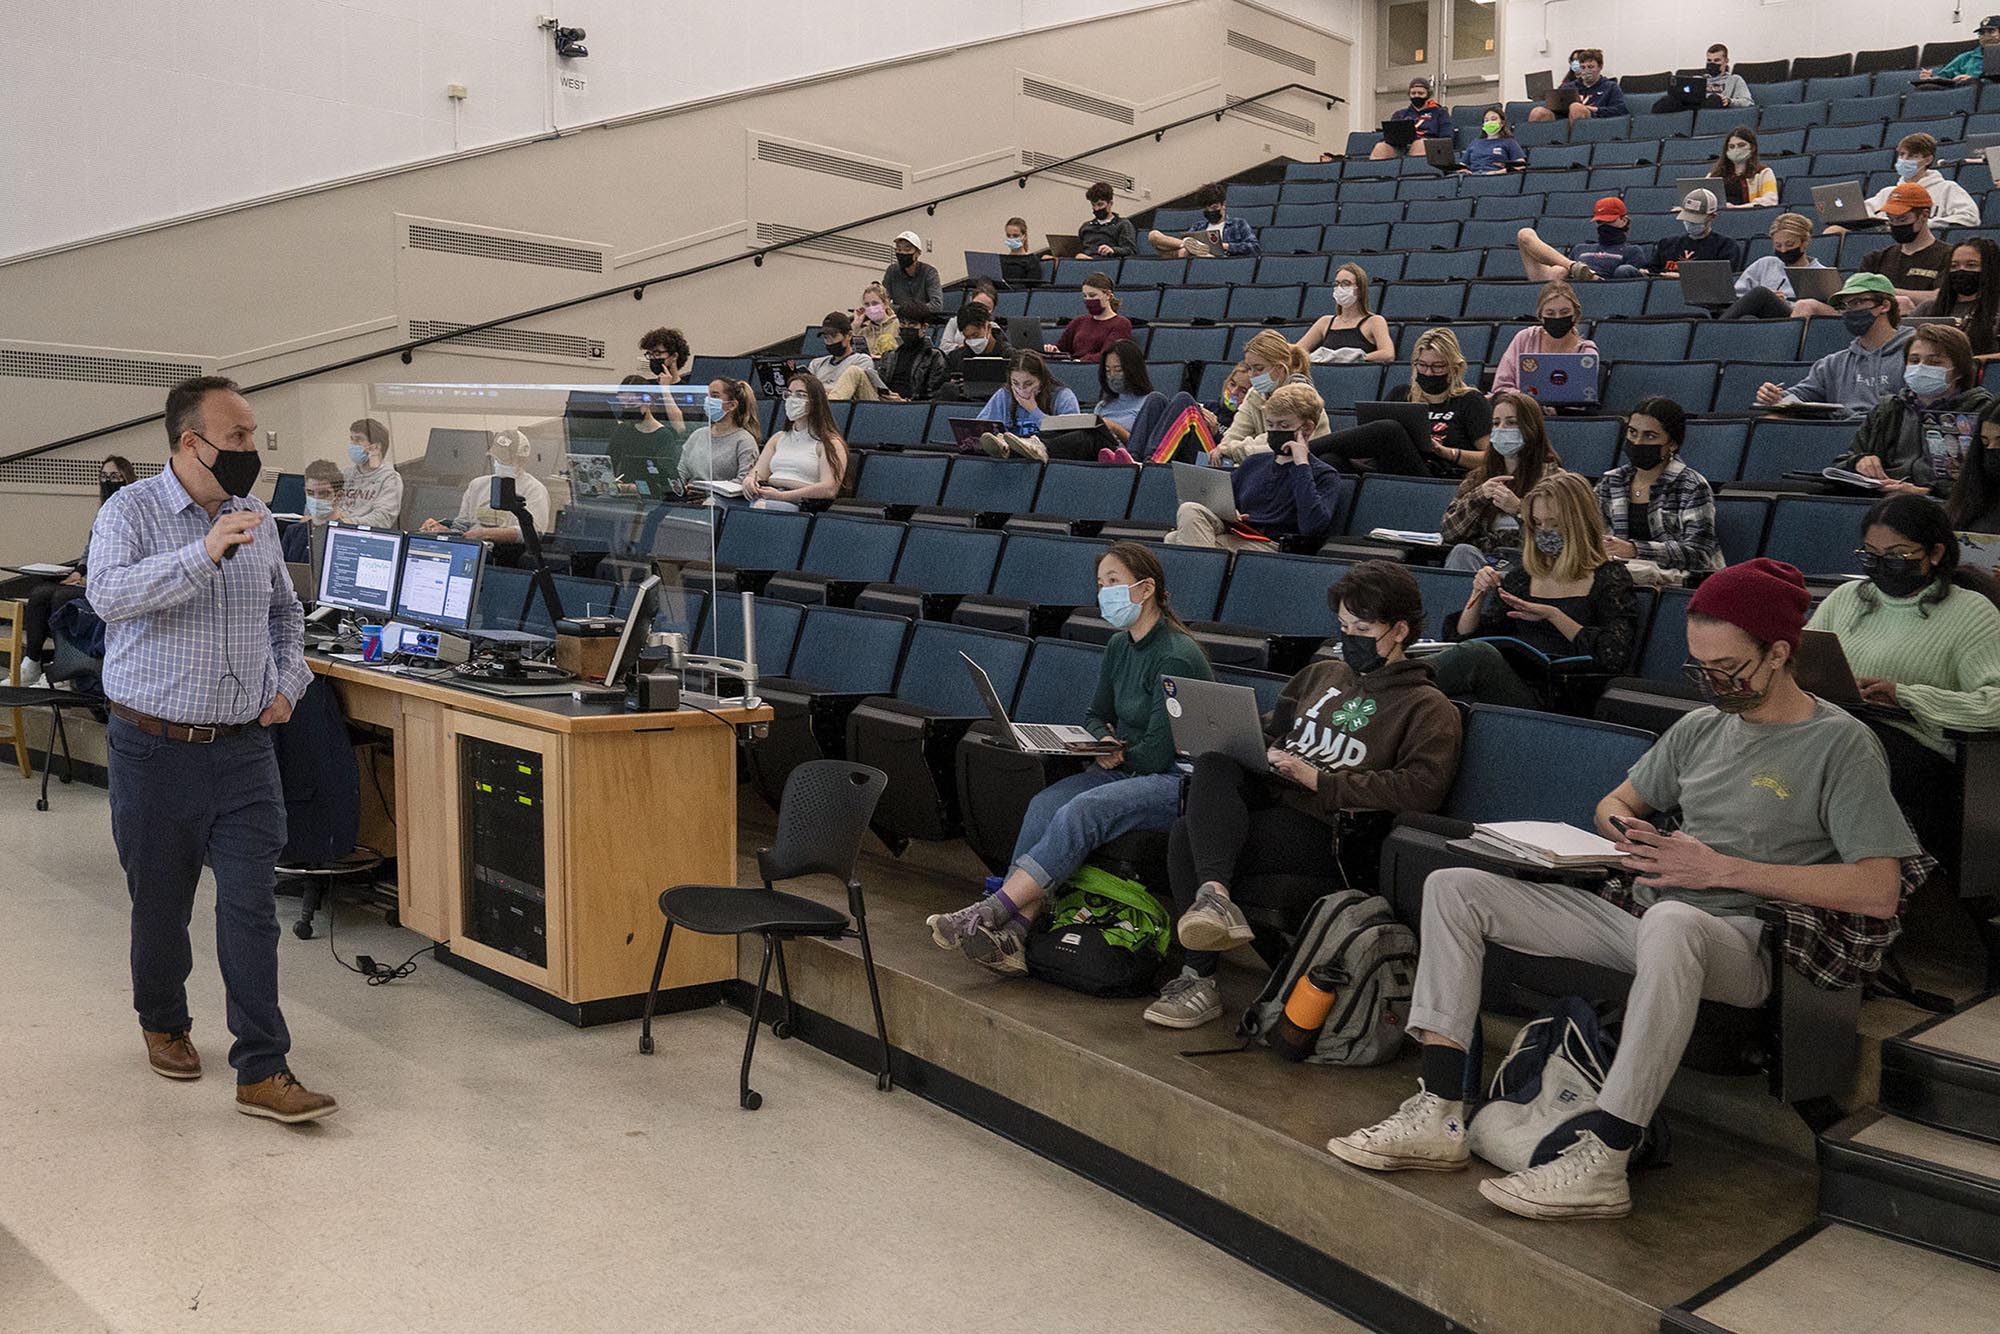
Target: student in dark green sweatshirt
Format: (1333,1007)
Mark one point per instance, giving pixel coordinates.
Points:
(1367,733)
(1134,788)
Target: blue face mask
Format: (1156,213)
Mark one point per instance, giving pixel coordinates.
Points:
(1506,441)
(1017,242)
(359,454)
(714,408)
(1926,381)
(1263,383)
(1115,604)
(318,507)
(1694,228)
(1909,168)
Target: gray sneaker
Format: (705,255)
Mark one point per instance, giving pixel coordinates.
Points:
(1186,1002)
(1213,924)
(950,930)
(1001,948)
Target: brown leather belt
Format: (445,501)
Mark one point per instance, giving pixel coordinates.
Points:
(198,734)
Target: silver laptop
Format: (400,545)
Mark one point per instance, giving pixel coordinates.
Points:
(1707,282)
(1208,716)
(1841,204)
(1036,738)
(1208,487)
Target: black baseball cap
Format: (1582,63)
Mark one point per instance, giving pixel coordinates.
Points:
(1989,23)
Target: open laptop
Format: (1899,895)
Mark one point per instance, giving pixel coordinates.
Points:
(983,375)
(1707,282)
(1024,332)
(1713,184)
(1065,246)
(304,582)
(1036,738)
(1823,670)
(1820,284)
(1442,154)
(772,374)
(1208,487)
(1540,83)
(1210,717)
(1562,379)
(1842,204)
(965,432)
(985,264)
(1414,418)
(1399,133)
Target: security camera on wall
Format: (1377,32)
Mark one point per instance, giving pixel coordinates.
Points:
(569,43)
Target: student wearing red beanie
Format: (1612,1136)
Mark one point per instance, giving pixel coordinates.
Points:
(1782,797)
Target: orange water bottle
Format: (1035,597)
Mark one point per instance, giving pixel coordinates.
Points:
(1297,1030)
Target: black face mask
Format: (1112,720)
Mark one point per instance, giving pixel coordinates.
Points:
(913,335)
(1433,384)
(1559,326)
(1419,101)
(1789,257)
(835,346)
(1610,235)
(234,470)
(658,365)
(1100,211)
(1904,234)
(908,261)
(1713,69)
(1965,284)
(108,487)
(1896,576)
(1644,457)
(1361,654)
(1212,214)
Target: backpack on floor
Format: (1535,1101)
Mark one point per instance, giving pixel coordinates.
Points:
(1552,1075)
(1105,936)
(1372,960)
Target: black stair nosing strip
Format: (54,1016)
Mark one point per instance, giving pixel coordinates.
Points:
(1683,1318)
(1957,1067)
(1933,1021)
(1946,1245)
(1896,1171)
(1349,1292)
(1941,1104)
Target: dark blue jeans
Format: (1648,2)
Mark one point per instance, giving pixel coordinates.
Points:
(175,806)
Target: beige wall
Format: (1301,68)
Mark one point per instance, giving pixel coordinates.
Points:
(283,287)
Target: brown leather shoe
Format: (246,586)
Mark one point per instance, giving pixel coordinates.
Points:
(173,1055)
(283,1098)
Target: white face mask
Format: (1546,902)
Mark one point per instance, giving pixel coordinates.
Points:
(505,469)
(1343,295)
(795,407)
(978,344)
(1738,154)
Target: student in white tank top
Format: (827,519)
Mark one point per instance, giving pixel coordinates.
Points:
(805,460)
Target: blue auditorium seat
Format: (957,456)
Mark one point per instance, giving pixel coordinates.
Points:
(1652,340)
(1415,504)
(1778,447)
(992,486)
(1819,534)
(1077,490)
(1742,379)
(1289,240)
(1443,265)
(1690,384)
(1171,343)
(1844,138)
(1343,239)
(888,424)
(1714,448)
(1587,445)
(1268,305)
(762,539)
(1292,269)
(721,632)
(1839,87)
(1195,576)
(1751,340)
(1504,773)
(1344,385)
(1739,525)
(1360,212)
(1183,305)
(904,479)
(1424,301)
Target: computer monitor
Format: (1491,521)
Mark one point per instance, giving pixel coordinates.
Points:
(288,493)
(358,572)
(440,583)
(638,625)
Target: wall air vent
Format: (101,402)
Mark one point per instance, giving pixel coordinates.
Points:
(845,247)
(95,369)
(68,474)
(532,341)
(1277,55)
(511,249)
(1044,91)
(783,154)
(1083,173)
(1283,120)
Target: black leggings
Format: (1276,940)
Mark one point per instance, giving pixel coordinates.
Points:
(1382,446)
(1236,826)
(1759,303)
(42,603)
(1926,785)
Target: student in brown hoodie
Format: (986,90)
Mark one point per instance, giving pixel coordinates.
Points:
(1370,733)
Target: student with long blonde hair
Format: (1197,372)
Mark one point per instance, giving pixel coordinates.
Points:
(1461,423)
(1568,601)
(1272,360)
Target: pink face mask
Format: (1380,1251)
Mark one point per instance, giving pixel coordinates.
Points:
(873,310)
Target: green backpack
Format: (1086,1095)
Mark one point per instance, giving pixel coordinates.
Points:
(1103,936)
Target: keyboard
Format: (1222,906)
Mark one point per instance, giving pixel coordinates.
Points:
(1042,737)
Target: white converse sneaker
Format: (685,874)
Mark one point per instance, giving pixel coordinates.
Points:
(1029,447)
(1427,1134)
(1586,1180)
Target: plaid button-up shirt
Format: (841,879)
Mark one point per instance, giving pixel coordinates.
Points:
(185,639)
(1681,517)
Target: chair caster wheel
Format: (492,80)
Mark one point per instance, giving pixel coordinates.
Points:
(882,1082)
(646,1045)
(390,917)
(303,930)
(782,1029)
(41,803)
(752,1100)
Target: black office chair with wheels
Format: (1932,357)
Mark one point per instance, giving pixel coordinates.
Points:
(825,810)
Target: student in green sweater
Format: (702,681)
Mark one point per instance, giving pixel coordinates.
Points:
(1135,788)
(1922,633)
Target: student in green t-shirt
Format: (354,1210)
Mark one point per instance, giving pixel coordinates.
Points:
(1782,797)
(1134,788)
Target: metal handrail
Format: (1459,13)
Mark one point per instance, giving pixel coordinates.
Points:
(637,286)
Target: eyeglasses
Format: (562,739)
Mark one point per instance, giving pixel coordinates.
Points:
(1432,367)
(1719,679)
(1865,555)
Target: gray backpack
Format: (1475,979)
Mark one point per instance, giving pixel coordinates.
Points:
(1374,962)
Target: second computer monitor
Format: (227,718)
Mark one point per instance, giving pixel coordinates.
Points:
(359,568)
(440,584)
